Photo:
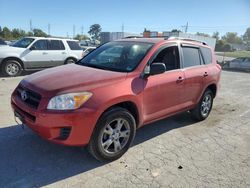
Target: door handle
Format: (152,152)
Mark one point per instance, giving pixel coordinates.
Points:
(63,52)
(205,74)
(45,53)
(180,79)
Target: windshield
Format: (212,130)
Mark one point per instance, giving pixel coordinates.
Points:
(117,56)
(23,43)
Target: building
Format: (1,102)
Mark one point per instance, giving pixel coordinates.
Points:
(112,36)
(209,40)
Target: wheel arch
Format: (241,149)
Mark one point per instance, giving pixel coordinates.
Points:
(128,105)
(13,58)
(213,88)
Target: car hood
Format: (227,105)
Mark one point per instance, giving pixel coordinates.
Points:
(10,49)
(71,78)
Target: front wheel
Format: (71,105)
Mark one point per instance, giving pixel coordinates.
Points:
(204,107)
(113,135)
(11,68)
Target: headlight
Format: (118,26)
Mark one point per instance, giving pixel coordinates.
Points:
(68,101)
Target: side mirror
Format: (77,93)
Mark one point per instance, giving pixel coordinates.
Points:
(32,48)
(157,68)
(153,69)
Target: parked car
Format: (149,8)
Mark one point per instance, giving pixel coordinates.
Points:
(33,53)
(102,99)
(2,42)
(87,49)
(240,63)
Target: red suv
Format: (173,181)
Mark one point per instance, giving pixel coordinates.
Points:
(102,99)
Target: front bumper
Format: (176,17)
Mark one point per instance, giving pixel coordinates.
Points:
(73,128)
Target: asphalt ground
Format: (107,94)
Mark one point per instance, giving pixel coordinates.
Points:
(174,152)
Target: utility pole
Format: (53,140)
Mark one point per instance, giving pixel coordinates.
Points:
(122,30)
(82,30)
(31,27)
(186,28)
(74,31)
(49,29)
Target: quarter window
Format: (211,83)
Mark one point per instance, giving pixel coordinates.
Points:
(191,56)
(207,55)
(56,45)
(74,45)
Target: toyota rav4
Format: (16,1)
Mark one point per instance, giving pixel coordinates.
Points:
(102,99)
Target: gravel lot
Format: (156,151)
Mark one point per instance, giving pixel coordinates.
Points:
(175,152)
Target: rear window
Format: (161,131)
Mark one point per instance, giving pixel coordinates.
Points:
(191,56)
(207,55)
(74,45)
(56,45)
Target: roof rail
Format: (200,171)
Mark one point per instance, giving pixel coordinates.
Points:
(186,39)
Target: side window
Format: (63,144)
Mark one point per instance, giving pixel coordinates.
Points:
(40,45)
(74,45)
(170,57)
(56,45)
(207,54)
(191,56)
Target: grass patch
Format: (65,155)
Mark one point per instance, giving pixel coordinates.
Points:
(235,54)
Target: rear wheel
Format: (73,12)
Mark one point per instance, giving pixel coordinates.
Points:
(70,60)
(113,135)
(11,68)
(202,110)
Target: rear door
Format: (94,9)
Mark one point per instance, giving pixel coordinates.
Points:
(163,92)
(195,72)
(58,52)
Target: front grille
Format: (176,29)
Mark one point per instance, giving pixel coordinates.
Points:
(64,133)
(32,98)
(25,114)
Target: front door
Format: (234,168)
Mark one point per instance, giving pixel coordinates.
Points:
(37,56)
(163,93)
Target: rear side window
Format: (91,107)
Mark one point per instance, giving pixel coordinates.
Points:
(74,45)
(40,45)
(207,55)
(191,56)
(56,45)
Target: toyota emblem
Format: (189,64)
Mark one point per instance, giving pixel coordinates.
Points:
(24,95)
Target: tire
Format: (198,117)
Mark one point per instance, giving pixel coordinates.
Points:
(204,107)
(110,141)
(11,67)
(70,60)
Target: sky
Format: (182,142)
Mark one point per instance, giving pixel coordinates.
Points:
(205,16)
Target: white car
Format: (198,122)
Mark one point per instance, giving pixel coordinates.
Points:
(32,53)
(87,49)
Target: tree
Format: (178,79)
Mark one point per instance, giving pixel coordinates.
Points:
(81,37)
(29,34)
(216,35)
(175,31)
(203,34)
(95,31)
(39,33)
(232,37)
(6,33)
(246,38)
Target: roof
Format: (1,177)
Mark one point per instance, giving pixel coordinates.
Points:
(171,39)
(150,40)
(51,38)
